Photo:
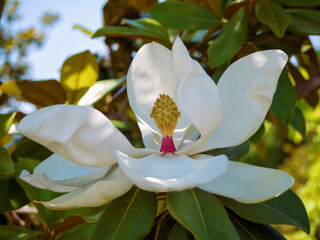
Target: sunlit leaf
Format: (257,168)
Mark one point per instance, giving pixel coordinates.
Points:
(201,213)
(298,122)
(17,233)
(230,40)
(100,89)
(123,125)
(126,32)
(150,26)
(184,15)
(42,93)
(78,73)
(284,99)
(272,14)
(128,217)
(304,21)
(5,123)
(285,209)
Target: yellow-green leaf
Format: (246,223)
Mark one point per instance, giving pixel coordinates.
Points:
(78,73)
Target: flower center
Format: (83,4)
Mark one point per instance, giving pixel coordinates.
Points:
(165,115)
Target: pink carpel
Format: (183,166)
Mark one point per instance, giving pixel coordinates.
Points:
(167,145)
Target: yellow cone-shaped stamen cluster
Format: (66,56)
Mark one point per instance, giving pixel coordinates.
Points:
(165,114)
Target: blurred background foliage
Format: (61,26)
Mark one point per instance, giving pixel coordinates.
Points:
(216,33)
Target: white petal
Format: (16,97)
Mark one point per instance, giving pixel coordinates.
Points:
(150,139)
(171,172)
(151,73)
(96,194)
(246,89)
(197,95)
(43,182)
(249,184)
(80,134)
(59,175)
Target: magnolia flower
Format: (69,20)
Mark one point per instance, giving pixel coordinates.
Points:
(181,113)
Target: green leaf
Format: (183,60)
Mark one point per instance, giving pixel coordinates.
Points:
(298,122)
(6,163)
(285,209)
(253,231)
(5,123)
(272,14)
(298,3)
(123,125)
(128,217)
(99,90)
(179,232)
(42,93)
(17,233)
(218,73)
(11,196)
(284,99)
(80,232)
(230,40)
(126,32)
(30,149)
(78,73)
(258,135)
(235,153)
(304,21)
(184,15)
(160,231)
(202,214)
(149,26)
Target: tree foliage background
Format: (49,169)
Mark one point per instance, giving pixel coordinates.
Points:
(216,33)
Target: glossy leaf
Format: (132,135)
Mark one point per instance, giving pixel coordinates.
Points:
(201,213)
(126,32)
(150,26)
(128,217)
(272,14)
(99,90)
(298,3)
(285,209)
(253,231)
(298,122)
(17,233)
(304,21)
(184,15)
(230,40)
(6,163)
(11,196)
(179,232)
(42,93)
(258,135)
(235,153)
(5,123)
(78,73)
(284,99)
(30,149)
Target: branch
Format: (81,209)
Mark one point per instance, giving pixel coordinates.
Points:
(307,87)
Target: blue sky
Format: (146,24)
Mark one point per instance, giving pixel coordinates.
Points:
(63,41)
